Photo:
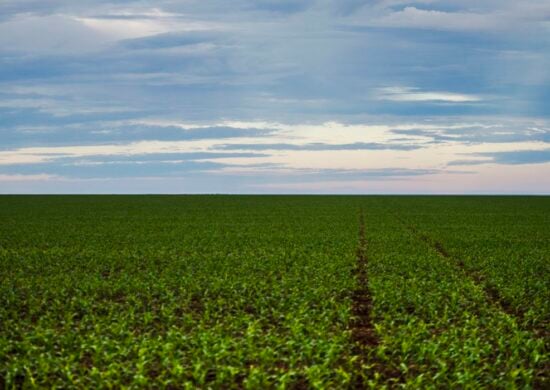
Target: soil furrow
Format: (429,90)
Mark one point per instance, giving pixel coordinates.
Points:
(362,329)
(492,295)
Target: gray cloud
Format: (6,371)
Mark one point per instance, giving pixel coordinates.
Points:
(77,72)
(95,133)
(170,40)
(503,132)
(143,165)
(517,157)
(359,174)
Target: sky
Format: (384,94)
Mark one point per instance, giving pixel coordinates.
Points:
(266,96)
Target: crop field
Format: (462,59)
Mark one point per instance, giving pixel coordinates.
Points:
(274,292)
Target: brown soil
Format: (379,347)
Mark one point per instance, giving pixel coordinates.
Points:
(362,329)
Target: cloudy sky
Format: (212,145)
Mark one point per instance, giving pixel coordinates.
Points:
(267,96)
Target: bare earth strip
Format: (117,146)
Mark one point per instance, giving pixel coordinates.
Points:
(362,328)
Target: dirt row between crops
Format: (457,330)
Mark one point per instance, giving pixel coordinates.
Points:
(492,294)
(363,334)
(362,329)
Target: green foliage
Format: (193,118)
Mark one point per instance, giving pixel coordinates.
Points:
(437,324)
(179,291)
(257,292)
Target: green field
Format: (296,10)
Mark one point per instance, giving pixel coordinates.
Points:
(274,292)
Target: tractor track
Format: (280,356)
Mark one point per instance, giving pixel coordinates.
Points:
(362,328)
(492,295)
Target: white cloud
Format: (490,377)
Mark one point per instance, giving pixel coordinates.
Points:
(129,24)
(411,17)
(12,178)
(79,34)
(406,94)
(124,29)
(428,155)
(475,16)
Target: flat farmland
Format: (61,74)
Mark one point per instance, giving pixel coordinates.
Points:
(274,292)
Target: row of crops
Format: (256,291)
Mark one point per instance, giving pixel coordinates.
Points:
(437,324)
(262,292)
